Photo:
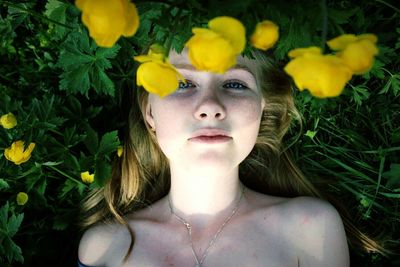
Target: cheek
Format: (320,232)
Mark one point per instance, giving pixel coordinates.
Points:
(247,124)
(248,111)
(170,126)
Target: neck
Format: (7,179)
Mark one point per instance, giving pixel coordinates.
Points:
(200,197)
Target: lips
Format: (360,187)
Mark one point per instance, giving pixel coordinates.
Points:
(210,132)
(210,135)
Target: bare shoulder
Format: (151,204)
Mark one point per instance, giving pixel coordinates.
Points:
(103,243)
(311,207)
(315,231)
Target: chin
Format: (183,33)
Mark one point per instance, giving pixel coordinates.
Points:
(211,163)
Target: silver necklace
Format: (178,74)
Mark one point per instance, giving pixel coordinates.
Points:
(189,228)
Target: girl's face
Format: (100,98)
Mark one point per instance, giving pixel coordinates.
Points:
(213,120)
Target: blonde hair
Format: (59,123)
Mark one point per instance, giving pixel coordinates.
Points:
(141,176)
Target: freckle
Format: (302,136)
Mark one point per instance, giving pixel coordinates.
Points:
(305,220)
(167,260)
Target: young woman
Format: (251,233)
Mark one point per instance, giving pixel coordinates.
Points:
(187,189)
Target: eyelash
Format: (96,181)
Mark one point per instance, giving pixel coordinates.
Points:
(238,85)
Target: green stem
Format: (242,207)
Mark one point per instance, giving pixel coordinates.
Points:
(324,11)
(381,165)
(389,5)
(172,33)
(64,174)
(35,14)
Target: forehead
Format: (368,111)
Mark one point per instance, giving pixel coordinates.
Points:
(182,59)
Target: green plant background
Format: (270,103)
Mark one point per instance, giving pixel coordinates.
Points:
(70,97)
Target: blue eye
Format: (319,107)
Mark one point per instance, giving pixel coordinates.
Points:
(235,85)
(183,86)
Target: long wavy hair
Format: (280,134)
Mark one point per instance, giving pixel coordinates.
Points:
(141,175)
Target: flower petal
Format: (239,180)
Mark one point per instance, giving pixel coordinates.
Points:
(265,35)
(87,177)
(157,78)
(298,52)
(8,121)
(132,20)
(208,51)
(340,42)
(17,153)
(107,20)
(230,29)
(322,75)
(359,56)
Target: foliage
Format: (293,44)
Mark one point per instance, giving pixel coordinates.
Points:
(70,97)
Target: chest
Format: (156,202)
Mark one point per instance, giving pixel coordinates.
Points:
(243,244)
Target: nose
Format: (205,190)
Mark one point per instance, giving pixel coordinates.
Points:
(210,107)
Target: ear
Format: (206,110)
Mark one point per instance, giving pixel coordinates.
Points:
(149,116)
(262,103)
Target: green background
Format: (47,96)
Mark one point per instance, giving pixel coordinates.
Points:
(71,98)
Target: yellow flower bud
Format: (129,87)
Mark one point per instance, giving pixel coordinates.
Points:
(22,198)
(87,177)
(357,52)
(215,49)
(8,121)
(156,74)
(120,151)
(107,20)
(298,52)
(322,75)
(17,152)
(265,35)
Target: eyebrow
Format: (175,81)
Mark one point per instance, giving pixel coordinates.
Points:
(191,67)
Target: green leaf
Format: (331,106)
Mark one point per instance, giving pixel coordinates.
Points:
(393,84)
(4,215)
(376,70)
(14,223)
(19,13)
(84,65)
(91,141)
(12,250)
(342,16)
(4,185)
(103,54)
(76,80)
(109,143)
(311,134)
(393,176)
(72,162)
(8,228)
(32,180)
(68,186)
(56,11)
(398,38)
(101,83)
(102,172)
(360,94)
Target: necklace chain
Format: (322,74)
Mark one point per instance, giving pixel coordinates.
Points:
(189,228)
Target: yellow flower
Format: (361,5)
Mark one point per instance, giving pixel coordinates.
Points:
(265,35)
(156,74)
(8,121)
(322,75)
(357,52)
(87,177)
(22,198)
(120,151)
(107,20)
(17,152)
(215,49)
